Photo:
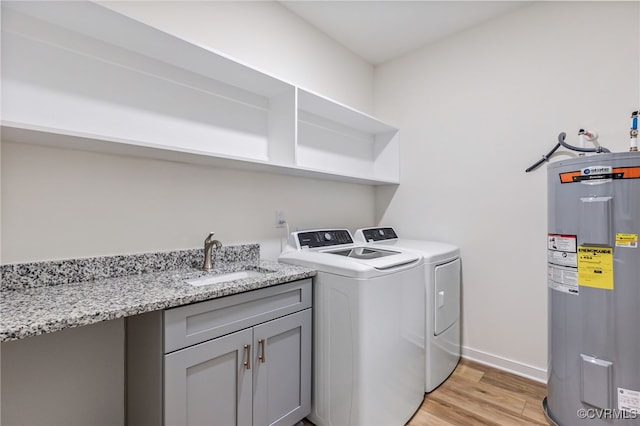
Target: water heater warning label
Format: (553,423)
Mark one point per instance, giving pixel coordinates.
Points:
(627,240)
(595,267)
(563,279)
(628,400)
(562,263)
(558,242)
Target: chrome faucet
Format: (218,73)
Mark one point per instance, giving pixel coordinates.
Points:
(209,242)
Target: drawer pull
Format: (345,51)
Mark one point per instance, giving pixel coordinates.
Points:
(247,357)
(262,357)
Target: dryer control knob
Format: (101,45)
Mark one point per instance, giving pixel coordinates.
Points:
(327,236)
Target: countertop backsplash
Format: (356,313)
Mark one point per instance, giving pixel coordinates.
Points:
(49,273)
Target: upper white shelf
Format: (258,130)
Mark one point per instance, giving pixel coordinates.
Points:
(339,139)
(78,74)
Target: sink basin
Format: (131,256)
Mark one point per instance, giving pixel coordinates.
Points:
(223,278)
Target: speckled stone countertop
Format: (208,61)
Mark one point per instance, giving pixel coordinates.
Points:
(31,306)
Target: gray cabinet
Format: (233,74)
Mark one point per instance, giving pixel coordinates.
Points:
(238,360)
(282,370)
(207,384)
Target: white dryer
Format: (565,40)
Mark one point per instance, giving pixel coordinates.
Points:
(441,277)
(368,366)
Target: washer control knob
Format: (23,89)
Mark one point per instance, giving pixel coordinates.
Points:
(328,236)
(381,232)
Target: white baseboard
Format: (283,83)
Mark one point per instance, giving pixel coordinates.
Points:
(515,367)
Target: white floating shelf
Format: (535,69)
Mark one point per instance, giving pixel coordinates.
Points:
(77,74)
(339,139)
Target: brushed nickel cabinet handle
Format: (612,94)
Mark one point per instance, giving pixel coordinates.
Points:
(247,357)
(262,357)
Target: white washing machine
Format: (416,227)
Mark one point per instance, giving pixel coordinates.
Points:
(368,366)
(441,277)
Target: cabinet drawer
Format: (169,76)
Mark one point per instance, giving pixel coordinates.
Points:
(191,324)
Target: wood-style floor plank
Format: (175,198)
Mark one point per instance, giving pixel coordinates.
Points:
(466,371)
(534,412)
(434,412)
(476,394)
(480,395)
(532,391)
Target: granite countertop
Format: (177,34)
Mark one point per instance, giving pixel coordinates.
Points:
(29,307)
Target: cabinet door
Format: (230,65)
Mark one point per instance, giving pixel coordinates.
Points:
(282,373)
(209,384)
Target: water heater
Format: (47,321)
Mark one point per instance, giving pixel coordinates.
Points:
(594,290)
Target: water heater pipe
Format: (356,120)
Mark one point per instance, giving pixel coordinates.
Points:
(633,133)
(561,142)
(581,138)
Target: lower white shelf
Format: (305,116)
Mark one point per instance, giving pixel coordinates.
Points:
(341,150)
(21,133)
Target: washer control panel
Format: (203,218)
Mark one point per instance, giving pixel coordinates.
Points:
(379,234)
(323,238)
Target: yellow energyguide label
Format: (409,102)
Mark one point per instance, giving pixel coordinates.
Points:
(627,240)
(595,267)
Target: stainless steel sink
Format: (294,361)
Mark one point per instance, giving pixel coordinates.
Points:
(223,278)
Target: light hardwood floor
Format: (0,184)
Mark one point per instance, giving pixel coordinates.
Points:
(477,395)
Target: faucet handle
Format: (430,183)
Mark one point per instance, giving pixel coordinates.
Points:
(210,241)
